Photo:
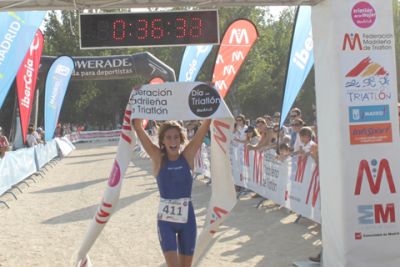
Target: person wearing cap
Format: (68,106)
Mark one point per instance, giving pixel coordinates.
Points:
(4,145)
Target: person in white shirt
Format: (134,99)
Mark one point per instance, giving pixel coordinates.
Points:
(306,142)
(31,139)
(239,131)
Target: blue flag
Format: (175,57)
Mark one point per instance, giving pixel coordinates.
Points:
(56,86)
(16,35)
(192,60)
(301,59)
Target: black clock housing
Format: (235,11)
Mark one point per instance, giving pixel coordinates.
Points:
(118,30)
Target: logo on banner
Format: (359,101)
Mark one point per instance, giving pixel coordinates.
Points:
(369,113)
(374,176)
(204,100)
(216,214)
(370,133)
(363,14)
(368,81)
(352,41)
(302,57)
(370,41)
(115,175)
(376,214)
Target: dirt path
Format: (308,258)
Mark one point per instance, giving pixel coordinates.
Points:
(46,225)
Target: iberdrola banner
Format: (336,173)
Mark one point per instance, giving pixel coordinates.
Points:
(173,101)
(26,81)
(358,127)
(16,34)
(192,60)
(56,86)
(301,59)
(236,44)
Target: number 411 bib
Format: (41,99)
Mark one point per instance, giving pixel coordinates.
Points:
(174,210)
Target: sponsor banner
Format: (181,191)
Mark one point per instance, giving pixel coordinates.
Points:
(26,81)
(92,136)
(370,133)
(56,87)
(236,44)
(292,183)
(369,113)
(301,59)
(359,147)
(16,34)
(192,60)
(153,100)
(178,101)
(144,65)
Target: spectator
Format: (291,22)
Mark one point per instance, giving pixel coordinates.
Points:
(239,132)
(4,145)
(41,135)
(265,139)
(268,120)
(252,135)
(284,151)
(31,139)
(306,141)
(295,113)
(295,139)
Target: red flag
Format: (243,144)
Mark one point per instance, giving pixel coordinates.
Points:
(236,43)
(26,81)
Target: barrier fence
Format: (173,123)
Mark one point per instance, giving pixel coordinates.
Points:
(292,183)
(18,165)
(91,136)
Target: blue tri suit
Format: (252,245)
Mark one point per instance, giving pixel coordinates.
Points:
(174,182)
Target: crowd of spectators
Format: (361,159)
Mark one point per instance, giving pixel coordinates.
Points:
(293,138)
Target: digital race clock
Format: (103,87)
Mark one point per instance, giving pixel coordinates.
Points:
(116,30)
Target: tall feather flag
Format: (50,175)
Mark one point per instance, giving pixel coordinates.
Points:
(236,44)
(56,86)
(301,59)
(192,60)
(16,34)
(26,81)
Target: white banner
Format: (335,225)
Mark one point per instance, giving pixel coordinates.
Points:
(292,183)
(177,101)
(358,130)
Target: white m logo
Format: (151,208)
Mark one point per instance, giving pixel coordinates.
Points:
(239,35)
(229,69)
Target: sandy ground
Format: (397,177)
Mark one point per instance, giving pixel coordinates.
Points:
(46,225)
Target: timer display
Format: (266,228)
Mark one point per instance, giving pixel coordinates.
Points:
(116,30)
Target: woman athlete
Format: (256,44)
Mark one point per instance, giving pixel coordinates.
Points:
(172,169)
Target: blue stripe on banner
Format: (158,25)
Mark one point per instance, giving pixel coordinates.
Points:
(301,59)
(16,34)
(56,86)
(192,60)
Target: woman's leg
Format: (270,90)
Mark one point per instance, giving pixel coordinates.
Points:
(185,260)
(171,258)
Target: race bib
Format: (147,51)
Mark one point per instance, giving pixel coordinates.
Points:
(174,210)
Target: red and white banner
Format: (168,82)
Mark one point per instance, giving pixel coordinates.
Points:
(292,183)
(26,81)
(236,44)
(358,132)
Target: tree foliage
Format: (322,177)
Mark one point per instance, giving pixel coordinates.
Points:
(257,90)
